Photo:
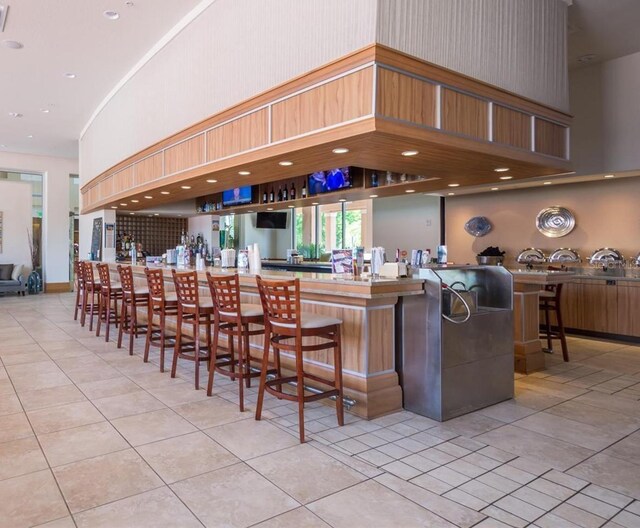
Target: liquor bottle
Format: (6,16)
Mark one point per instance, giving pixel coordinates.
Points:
(264,196)
(285,193)
(304,190)
(292,192)
(374,179)
(280,193)
(271,196)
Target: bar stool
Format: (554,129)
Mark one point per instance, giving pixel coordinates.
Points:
(78,287)
(132,299)
(161,304)
(550,302)
(284,321)
(232,319)
(91,294)
(109,294)
(194,312)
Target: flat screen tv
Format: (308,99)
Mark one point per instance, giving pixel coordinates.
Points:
(271,220)
(331,180)
(237,196)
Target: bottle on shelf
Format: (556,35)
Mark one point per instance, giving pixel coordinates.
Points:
(285,193)
(374,179)
(292,192)
(304,190)
(280,193)
(272,197)
(264,196)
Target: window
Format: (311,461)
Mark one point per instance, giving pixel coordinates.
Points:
(305,235)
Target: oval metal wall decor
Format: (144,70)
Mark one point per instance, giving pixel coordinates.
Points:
(478,226)
(555,221)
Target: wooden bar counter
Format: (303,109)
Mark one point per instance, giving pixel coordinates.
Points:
(367,309)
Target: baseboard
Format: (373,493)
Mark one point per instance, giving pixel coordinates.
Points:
(57,287)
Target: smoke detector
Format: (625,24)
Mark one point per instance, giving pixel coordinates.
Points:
(4,9)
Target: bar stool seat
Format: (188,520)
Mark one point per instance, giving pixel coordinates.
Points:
(247,310)
(285,322)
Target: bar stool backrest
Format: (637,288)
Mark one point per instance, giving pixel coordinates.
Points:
(126,279)
(225,292)
(87,273)
(280,301)
(155,283)
(78,271)
(105,276)
(186,289)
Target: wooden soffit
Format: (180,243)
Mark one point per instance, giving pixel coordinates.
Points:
(376,102)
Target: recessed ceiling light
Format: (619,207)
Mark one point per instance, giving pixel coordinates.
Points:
(45,110)
(269,208)
(114,207)
(156,214)
(315,203)
(70,75)
(132,213)
(501,169)
(546,183)
(149,197)
(212,181)
(30,136)
(454,185)
(185,187)
(13,44)
(244,173)
(179,215)
(373,196)
(451,194)
(494,188)
(123,204)
(250,211)
(409,153)
(506,177)
(286,163)
(15,114)
(165,192)
(409,191)
(112,15)
(609,176)
(291,206)
(342,200)
(135,201)
(340,150)
(3,145)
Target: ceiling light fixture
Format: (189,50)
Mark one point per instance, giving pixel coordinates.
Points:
(454,185)
(410,191)
(269,208)
(30,136)
(315,203)
(409,153)
(501,169)
(45,110)
(15,114)
(112,15)
(451,194)
(506,177)
(3,145)
(13,44)
(546,183)
(114,207)
(244,173)
(132,213)
(149,197)
(342,200)
(186,187)
(291,206)
(123,204)
(373,196)
(156,214)
(494,188)
(340,150)
(70,75)
(135,201)
(609,176)
(212,181)
(165,192)
(285,163)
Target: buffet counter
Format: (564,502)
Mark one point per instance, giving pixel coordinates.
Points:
(368,311)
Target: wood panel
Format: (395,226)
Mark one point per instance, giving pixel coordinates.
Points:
(406,98)
(184,155)
(380,339)
(346,98)
(106,187)
(511,127)
(464,114)
(123,180)
(148,169)
(551,138)
(242,134)
(598,307)
(628,308)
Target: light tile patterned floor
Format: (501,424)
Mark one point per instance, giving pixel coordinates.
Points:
(90,436)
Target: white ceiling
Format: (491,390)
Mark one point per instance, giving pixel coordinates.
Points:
(61,36)
(607,29)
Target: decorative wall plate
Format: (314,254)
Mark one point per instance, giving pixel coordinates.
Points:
(478,226)
(555,221)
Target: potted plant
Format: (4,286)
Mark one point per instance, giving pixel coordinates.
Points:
(34,281)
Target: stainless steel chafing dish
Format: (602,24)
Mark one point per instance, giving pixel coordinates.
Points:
(531,256)
(565,256)
(609,257)
(636,261)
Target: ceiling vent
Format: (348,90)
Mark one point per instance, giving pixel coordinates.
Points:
(3,16)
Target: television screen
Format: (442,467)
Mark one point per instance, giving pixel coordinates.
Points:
(271,220)
(237,196)
(331,180)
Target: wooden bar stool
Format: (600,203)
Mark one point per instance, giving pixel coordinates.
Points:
(550,302)
(78,286)
(232,318)
(109,294)
(161,304)
(91,294)
(194,312)
(132,299)
(284,321)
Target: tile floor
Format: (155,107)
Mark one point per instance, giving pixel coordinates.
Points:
(90,436)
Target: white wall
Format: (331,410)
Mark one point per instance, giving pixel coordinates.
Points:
(406,222)
(15,205)
(238,48)
(55,213)
(202,224)
(86,230)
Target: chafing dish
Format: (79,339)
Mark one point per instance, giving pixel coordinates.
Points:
(531,256)
(636,261)
(565,256)
(609,257)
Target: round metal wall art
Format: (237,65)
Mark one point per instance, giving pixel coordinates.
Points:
(478,226)
(555,221)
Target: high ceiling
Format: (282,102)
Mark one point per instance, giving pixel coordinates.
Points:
(601,30)
(70,36)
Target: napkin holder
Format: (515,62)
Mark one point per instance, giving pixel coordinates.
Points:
(393,270)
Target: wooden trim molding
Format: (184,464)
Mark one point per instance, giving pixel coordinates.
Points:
(361,93)
(57,287)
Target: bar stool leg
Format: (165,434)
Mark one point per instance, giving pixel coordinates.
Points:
(83,308)
(93,302)
(240,366)
(106,333)
(176,349)
(300,389)
(213,352)
(247,348)
(547,323)
(100,318)
(196,346)
(162,340)
(337,361)
(133,325)
(147,343)
(263,372)
(78,299)
(563,337)
(208,339)
(123,322)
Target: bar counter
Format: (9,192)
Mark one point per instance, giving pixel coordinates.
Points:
(368,311)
